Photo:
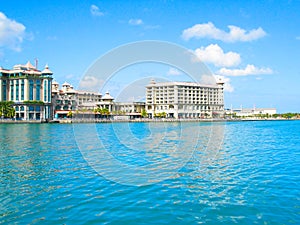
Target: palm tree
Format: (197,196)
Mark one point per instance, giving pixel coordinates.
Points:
(11,112)
(70,114)
(7,110)
(102,112)
(144,113)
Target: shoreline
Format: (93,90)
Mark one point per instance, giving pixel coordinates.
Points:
(166,120)
(70,121)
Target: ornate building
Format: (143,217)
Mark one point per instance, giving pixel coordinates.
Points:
(67,99)
(29,89)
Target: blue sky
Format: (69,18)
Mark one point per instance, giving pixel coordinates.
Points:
(253,45)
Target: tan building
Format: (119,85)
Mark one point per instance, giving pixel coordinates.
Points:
(67,99)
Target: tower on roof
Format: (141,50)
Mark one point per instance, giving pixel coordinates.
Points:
(29,65)
(46,71)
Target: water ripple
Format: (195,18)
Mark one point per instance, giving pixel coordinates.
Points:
(252,179)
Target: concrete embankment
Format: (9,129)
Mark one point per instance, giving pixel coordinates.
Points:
(157,120)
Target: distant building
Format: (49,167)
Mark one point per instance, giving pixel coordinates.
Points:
(29,89)
(130,109)
(83,103)
(185,99)
(67,99)
(248,112)
(106,102)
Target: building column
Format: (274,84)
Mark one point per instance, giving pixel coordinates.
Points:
(45,91)
(25,113)
(26,90)
(15,90)
(34,91)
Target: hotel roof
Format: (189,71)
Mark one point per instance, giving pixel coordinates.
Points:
(28,68)
(180,83)
(107,96)
(46,70)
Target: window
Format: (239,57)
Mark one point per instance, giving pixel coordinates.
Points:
(30,89)
(4,90)
(22,89)
(49,90)
(38,90)
(45,90)
(17,90)
(12,90)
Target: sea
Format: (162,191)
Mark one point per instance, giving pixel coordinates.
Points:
(245,172)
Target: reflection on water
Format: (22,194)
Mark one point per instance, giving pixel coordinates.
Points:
(212,173)
(143,153)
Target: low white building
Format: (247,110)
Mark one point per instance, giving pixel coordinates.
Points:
(248,112)
(130,109)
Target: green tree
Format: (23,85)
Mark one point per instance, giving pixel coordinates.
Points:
(7,110)
(70,114)
(103,111)
(161,115)
(144,113)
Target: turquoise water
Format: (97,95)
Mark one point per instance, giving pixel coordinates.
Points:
(216,173)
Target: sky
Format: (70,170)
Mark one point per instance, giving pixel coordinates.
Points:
(254,46)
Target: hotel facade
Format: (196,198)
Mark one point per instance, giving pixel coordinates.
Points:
(185,99)
(67,99)
(29,90)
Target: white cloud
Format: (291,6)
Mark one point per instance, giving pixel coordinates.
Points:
(95,11)
(207,79)
(208,30)
(135,22)
(12,33)
(249,70)
(214,54)
(227,86)
(212,79)
(174,72)
(91,83)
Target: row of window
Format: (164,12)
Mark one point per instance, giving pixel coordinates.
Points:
(65,107)
(189,102)
(17,90)
(184,107)
(30,108)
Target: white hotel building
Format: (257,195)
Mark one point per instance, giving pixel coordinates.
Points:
(29,89)
(185,99)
